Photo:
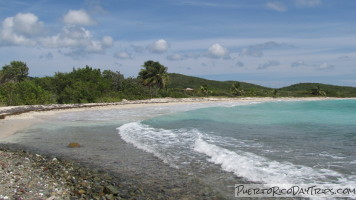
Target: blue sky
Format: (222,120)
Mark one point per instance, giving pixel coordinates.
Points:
(274,43)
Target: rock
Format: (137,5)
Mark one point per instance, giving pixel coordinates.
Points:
(73,145)
(110,189)
(81,192)
(109,197)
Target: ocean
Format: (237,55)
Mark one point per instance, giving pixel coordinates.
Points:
(220,144)
(280,142)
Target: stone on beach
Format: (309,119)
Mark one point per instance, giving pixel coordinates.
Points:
(74,145)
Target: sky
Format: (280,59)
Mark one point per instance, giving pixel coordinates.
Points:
(273,43)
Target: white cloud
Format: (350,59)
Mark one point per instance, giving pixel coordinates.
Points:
(277,6)
(107,41)
(299,63)
(218,51)
(159,46)
(20,30)
(78,17)
(26,23)
(324,66)
(257,50)
(25,29)
(78,39)
(308,3)
(123,55)
(270,63)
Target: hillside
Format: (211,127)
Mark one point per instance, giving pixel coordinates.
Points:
(180,81)
(304,89)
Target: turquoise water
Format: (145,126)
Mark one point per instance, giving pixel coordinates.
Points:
(274,142)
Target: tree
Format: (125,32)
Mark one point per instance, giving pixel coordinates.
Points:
(205,90)
(24,93)
(275,92)
(15,72)
(154,75)
(236,90)
(82,85)
(318,91)
(115,79)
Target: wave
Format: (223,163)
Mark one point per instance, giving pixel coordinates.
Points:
(164,144)
(259,169)
(182,147)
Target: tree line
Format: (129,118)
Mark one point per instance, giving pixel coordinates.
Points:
(89,85)
(81,85)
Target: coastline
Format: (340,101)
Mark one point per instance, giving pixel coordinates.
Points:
(16,118)
(183,186)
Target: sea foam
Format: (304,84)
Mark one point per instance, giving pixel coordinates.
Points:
(259,169)
(178,147)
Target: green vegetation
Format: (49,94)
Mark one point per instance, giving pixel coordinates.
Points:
(317,89)
(154,75)
(86,85)
(217,88)
(236,90)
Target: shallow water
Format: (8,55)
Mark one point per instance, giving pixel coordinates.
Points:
(102,148)
(218,144)
(275,142)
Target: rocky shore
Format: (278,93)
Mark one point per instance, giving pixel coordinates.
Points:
(36,177)
(32,176)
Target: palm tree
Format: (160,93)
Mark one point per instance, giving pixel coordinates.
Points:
(236,90)
(154,75)
(318,91)
(205,90)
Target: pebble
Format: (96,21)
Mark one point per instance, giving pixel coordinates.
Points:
(33,176)
(27,176)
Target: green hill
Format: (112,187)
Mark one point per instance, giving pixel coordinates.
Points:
(180,82)
(305,89)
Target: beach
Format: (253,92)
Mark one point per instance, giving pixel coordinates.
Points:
(111,168)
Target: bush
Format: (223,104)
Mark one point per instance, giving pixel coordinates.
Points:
(24,93)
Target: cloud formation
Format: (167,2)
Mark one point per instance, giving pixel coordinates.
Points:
(257,50)
(276,6)
(159,46)
(298,63)
(268,64)
(25,29)
(20,29)
(218,51)
(78,38)
(324,66)
(123,55)
(78,17)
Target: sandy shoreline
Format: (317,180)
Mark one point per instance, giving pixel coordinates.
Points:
(16,118)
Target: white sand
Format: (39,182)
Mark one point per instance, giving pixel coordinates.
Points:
(12,124)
